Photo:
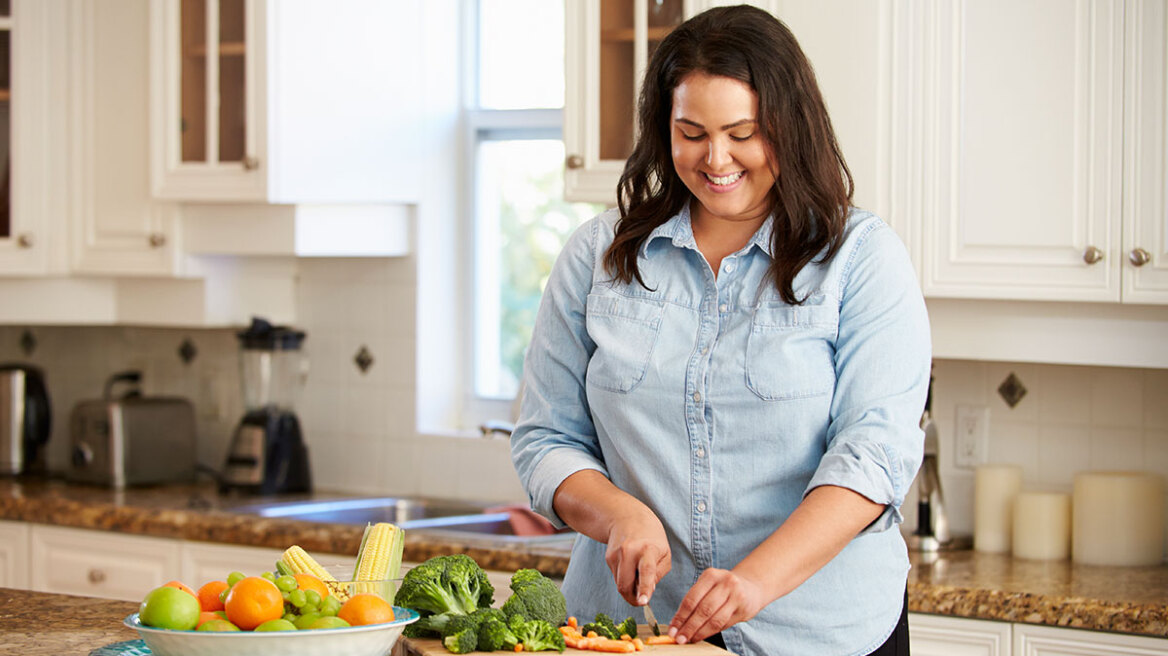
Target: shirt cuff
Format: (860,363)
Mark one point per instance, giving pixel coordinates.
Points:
(866,469)
(551,472)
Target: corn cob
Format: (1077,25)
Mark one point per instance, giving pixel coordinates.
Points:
(297,561)
(379,557)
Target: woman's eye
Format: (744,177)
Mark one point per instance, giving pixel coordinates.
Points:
(741,137)
(693,137)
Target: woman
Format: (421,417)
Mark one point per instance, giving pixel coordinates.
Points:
(726,375)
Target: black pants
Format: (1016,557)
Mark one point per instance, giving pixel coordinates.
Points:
(895,645)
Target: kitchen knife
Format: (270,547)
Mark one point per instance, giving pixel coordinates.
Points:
(651,620)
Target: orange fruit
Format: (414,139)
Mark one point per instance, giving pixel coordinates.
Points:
(209,595)
(308,582)
(207,616)
(181,586)
(366,608)
(253,601)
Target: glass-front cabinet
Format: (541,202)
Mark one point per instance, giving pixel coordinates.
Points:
(208,127)
(608,45)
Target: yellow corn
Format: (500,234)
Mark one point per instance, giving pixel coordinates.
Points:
(379,558)
(299,562)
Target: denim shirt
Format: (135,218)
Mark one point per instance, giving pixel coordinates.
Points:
(720,406)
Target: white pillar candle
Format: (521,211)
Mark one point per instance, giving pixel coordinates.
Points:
(1118,518)
(994,489)
(1042,525)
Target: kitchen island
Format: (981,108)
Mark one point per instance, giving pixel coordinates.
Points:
(1130,600)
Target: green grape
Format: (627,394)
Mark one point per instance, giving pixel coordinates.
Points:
(223,595)
(287,583)
(298,598)
(330,606)
(291,617)
(235,577)
(312,596)
(269,576)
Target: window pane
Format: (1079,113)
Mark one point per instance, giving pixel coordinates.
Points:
(521,54)
(522,224)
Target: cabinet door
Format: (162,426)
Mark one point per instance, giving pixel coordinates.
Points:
(13,555)
(202,562)
(934,635)
(208,59)
(1052,641)
(1015,135)
(118,228)
(32,148)
(1144,256)
(100,564)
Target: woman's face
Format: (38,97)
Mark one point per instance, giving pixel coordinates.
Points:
(718,149)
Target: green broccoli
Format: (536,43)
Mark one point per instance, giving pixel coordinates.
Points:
(603,626)
(536,635)
(494,634)
(535,597)
(627,627)
(462,642)
(446,584)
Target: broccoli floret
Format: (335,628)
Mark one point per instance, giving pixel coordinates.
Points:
(462,642)
(494,634)
(445,584)
(535,597)
(536,635)
(603,626)
(627,627)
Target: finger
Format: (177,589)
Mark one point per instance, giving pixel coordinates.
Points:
(706,608)
(626,578)
(720,619)
(646,579)
(689,604)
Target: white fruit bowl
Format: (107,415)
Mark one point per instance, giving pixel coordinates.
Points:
(369,640)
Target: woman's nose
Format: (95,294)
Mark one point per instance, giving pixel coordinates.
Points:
(719,153)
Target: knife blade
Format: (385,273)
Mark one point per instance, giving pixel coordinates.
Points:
(651,620)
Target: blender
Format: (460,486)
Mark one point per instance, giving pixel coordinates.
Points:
(268,454)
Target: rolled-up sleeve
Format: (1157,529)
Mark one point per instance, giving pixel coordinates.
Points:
(554,436)
(882,360)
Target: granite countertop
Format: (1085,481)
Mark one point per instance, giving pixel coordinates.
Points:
(38,623)
(962,584)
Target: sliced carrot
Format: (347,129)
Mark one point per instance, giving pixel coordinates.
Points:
(611,646)
(625,636)
(572,622)
(660,640)
(639,644)
(519,647)
(592,634)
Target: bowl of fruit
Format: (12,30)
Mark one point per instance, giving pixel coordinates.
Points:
(300,608)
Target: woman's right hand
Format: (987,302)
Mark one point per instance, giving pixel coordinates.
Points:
(638,553)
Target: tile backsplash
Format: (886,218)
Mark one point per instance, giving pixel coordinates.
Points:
(360,426)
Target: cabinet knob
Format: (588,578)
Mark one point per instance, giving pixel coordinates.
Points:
(250,163)
(24,240)
(575,162)
(1092,255)
(96,576)
(157,240)
(1139,257)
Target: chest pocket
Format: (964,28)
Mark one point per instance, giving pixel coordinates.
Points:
(625,332)
(789,352)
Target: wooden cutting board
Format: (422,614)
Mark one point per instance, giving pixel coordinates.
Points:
(433,647)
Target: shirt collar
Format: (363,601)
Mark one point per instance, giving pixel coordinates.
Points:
(679,230)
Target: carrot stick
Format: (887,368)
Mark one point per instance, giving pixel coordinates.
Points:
(572,622)
(639,644)
(660,640)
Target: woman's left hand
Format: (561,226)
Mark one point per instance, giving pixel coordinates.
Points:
(719,599)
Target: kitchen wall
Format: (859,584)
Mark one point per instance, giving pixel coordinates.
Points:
(361,426)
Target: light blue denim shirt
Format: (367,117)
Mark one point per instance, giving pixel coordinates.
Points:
(720,406)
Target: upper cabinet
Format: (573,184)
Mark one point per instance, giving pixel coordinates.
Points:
(32,149)
(286,101)
(1031,138)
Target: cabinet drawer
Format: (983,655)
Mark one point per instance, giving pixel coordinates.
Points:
(202,561)
(934,635)
(13,555)
(99,564)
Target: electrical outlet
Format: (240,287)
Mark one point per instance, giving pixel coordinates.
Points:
(973,435)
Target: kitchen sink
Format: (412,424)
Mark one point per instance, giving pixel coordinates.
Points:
(451,518)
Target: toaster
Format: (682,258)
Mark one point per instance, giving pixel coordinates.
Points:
(134,440)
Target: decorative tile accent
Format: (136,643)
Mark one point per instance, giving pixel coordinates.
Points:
(28,342)
(187,350)
(1012,390)
(364,359)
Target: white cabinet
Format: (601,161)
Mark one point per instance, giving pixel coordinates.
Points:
(1049,641)
(32,142)
(1030,141)
(286,101)
(935,635)
(100,564)
(204,561)
(13,555)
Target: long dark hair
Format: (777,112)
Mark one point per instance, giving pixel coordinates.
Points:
(813,191)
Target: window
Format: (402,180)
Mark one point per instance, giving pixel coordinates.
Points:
(520,220)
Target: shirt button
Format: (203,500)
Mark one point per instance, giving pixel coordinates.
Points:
(705,350)
(697,397)
(701,452)
(723,307)
(701,506)
(729,268)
